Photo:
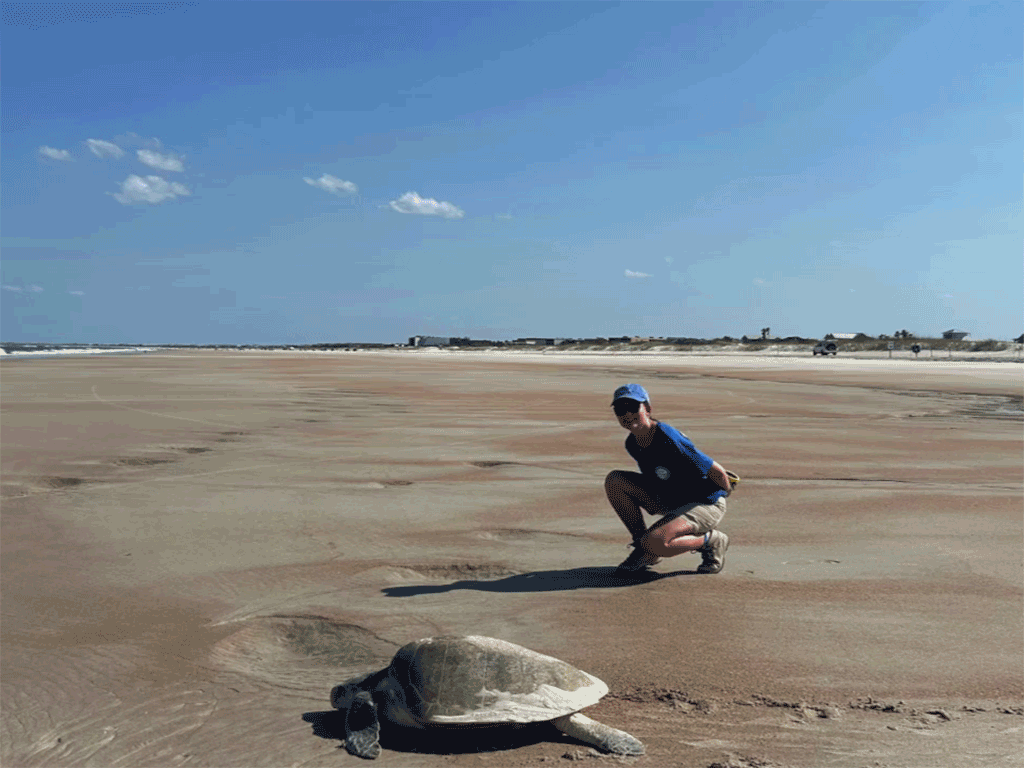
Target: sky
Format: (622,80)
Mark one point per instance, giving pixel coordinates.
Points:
(314,172)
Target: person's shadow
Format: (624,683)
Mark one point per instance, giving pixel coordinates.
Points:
(599,577)
(444,740)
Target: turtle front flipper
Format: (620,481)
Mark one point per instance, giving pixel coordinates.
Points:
(602,736)
(362,727)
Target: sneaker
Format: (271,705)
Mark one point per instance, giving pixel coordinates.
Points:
(714,553)
(638,561)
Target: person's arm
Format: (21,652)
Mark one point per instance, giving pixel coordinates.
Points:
(717,475)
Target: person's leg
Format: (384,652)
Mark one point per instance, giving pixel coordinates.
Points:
(674,536)
(677,536)
(693,527)
(627,495)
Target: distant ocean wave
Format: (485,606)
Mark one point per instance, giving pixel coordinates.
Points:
(11,350)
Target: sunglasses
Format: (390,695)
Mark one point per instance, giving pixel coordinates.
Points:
(622,407)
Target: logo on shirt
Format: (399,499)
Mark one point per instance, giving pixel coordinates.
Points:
(662,473)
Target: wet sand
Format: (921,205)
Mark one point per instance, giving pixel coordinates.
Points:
(197,546)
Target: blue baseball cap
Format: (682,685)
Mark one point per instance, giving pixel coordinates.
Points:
(631,392)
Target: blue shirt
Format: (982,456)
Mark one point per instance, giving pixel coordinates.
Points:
(677,469)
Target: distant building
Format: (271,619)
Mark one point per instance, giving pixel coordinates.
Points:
(955,335)
(534,341)
(846,336)
(429,341)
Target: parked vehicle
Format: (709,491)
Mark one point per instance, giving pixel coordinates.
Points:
(826,347)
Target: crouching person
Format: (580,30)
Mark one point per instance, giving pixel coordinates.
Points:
(677,481)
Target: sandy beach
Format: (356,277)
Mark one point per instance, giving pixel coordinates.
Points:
(196,546)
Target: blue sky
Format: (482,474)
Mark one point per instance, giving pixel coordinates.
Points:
(267,172)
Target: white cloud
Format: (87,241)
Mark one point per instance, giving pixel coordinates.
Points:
(411,202)
(631,273)
(332,184)
(669,259)
(161,162)
(77,293)
(102,148)
(151,189)
(55,154)
(20,289)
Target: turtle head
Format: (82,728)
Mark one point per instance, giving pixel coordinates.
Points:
(342,695)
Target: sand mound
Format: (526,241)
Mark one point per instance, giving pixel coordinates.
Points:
(289,650)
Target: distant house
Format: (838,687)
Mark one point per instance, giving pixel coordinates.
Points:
(429,341)
(846,336)
(955,335)
(539,342)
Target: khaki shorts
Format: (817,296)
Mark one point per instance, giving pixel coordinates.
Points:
(704,516)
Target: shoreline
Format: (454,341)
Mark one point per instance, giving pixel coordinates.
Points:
(1014,353)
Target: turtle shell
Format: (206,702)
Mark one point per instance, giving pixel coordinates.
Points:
(475,680)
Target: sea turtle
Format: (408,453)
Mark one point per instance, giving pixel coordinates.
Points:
(474,680)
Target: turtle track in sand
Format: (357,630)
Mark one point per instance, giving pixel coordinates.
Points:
(460,571)
(526,536)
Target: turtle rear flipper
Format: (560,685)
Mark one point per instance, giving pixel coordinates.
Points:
(362,728)
(602,736)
